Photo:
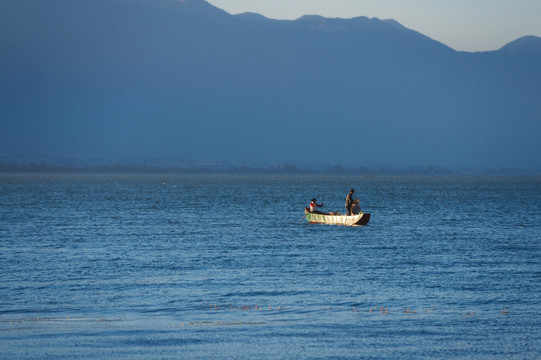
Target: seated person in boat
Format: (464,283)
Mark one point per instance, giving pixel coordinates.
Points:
(313,207)
(355,208)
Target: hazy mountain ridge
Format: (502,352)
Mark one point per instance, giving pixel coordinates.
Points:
(526,44)
(184,80)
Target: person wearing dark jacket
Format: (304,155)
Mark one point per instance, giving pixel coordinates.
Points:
(349,201)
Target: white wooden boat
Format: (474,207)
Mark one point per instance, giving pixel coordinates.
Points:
(352,220)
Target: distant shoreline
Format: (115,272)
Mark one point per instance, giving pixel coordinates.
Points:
(279,170)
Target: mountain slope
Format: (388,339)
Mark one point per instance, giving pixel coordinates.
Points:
(526,45)
(185,81)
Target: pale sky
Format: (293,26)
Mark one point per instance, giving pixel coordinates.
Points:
(464,25)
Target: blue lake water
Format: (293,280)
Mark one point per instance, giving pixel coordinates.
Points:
(218,266)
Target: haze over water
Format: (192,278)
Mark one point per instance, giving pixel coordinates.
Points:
(218,266)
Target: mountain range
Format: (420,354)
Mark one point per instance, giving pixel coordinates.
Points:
(185,82)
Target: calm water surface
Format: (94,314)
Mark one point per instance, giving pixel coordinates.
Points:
(205,266)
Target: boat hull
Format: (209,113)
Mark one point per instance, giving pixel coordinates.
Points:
(352,220)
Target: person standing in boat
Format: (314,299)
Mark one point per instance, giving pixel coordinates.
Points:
(349,201)
(313,207)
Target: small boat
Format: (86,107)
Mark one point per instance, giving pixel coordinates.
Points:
(332,219)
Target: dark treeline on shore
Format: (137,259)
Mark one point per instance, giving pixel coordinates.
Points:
(245,169)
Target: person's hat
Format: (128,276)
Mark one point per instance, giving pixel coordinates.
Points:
(314,200)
